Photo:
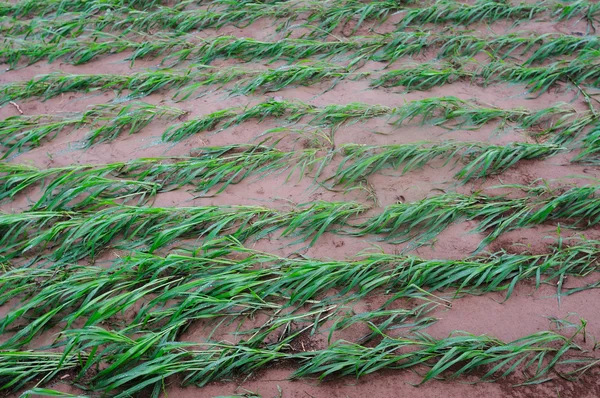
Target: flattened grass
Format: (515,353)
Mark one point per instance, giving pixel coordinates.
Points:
(481,160)
(185,83)
(560,123)
(175,48)
(590,147)
(81,187)
(77,235)
(538,79)
(81,210)
(222,272)
(149,360)
(106,122)
(577,207)
(73,236)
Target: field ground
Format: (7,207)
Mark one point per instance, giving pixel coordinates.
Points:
(299,198)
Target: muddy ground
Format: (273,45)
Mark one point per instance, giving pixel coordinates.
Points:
(528,309)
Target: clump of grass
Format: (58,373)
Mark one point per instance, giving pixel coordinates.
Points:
(322,18)
(424,219)
(186,82)
(539,353)
(559,130)
(50,85)
(442,110)
(82,50)
(539,79)
(498,271)
(52,30)
(58,7)
(325,17)
(19,368)
(176,49)
(560,121)
(494,159)
(552,45)
(83,186)
(77,235)
(482,160)
(222,271)
(302,279)
(577,207)
(399,44)
(534,48)
(226,297)
(19,132)
(302,73)
(330,115)
(149,360)
(590,147)
(232,116)
(338,114)
(465,14)
(289,49)
(582,9)
(189,20)
(342,13)
(130,118)
(420,78)
(469,45)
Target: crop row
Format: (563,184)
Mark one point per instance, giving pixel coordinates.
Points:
(106,122)
(217,167)
(323,18)
(579,71)
(221,280)
(384,48)
(75,235)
